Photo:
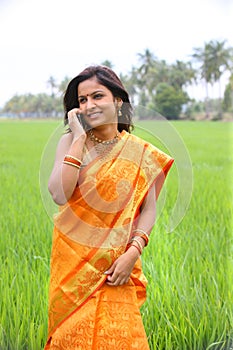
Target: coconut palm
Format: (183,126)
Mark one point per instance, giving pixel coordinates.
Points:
(52,84)
(201,55)
(215,59)
(220,59)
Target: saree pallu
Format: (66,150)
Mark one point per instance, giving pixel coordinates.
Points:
(90,232)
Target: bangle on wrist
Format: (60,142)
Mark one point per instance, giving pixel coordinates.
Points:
(143,234)
(73,161)
(139,244)
(135,246)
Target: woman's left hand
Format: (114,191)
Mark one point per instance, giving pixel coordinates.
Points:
(119,272)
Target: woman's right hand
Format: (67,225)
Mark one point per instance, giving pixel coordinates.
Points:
(75,125)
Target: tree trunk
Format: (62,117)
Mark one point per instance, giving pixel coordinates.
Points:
(219,100)
(207,111)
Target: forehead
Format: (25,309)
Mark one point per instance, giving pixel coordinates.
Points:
(89,86)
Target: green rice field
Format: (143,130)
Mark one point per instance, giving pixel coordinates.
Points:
(189,270)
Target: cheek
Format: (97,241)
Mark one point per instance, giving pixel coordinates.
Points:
(109,108)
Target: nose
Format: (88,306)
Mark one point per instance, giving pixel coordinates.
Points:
(90,103)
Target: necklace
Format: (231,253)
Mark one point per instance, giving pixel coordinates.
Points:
(104,142)
(103,147)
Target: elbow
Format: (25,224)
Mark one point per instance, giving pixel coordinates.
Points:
(57,198)
(59,201)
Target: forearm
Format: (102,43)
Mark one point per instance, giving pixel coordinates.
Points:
(64,177)
(120,271)
(146,220)
(143,225)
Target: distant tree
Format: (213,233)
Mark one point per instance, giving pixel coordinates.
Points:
(201,56)
(228,96)
(52,85)
(108,64)
(215,59)
(130,83)
(181,74)
(169,100)
(147,60)
(220,60)
(63,84)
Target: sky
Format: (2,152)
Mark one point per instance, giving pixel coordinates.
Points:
(59,38)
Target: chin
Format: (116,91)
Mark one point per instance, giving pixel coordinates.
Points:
(92,124)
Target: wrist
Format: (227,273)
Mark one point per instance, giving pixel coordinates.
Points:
(133,252)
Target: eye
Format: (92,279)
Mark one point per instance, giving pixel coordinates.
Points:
(82,100)
(98,96)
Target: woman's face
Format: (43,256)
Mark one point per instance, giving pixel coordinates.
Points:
(97,103)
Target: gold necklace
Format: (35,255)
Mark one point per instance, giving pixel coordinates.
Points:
(103,147)
(104,142)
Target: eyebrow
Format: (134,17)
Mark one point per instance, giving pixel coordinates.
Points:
(93,93)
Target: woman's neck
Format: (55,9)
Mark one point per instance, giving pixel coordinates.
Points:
(105,132)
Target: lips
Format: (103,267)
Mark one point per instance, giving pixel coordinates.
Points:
(93,115)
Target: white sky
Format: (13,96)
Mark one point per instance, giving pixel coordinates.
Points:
(40,38)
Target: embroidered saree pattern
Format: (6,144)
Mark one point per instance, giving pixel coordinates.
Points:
(90,232)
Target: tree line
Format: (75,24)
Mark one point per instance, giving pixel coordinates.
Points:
(153,85)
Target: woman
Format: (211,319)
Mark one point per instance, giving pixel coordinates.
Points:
(106,182)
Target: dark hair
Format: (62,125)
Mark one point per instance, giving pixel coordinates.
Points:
(105,76)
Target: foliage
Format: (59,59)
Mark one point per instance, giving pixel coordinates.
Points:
(214,59)
(169,101)
(29,105)
(143,83)
(228,96)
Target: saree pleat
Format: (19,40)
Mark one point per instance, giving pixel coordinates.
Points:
(90,232)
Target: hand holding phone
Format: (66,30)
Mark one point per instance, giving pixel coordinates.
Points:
(75,122)
(80,116)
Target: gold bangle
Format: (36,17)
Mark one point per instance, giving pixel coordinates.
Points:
(72,164)
(143,236)
(134,239)
(142,231)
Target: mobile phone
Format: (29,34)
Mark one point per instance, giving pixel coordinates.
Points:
(80,116)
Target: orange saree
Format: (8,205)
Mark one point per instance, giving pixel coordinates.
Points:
(90,232)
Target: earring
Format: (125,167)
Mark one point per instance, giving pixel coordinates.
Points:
(119,113)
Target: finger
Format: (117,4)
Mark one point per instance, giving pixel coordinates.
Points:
(110,270)
(118,282)
(74,110)
(115,280)
(111,278)
(73,113)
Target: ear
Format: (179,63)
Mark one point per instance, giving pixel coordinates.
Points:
(118,102)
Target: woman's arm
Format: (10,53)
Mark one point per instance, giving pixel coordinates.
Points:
(64,177)
(119,272)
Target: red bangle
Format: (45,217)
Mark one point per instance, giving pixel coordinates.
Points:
(134,245)
(70,160)
(142,234)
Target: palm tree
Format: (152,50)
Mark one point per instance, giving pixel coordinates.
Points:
(148,59)
(215,59)
(201,55)
(220,59)
(181,74)
(52,84)
(63,85)
(146,76)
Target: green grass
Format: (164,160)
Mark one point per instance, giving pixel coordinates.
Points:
(190,271)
